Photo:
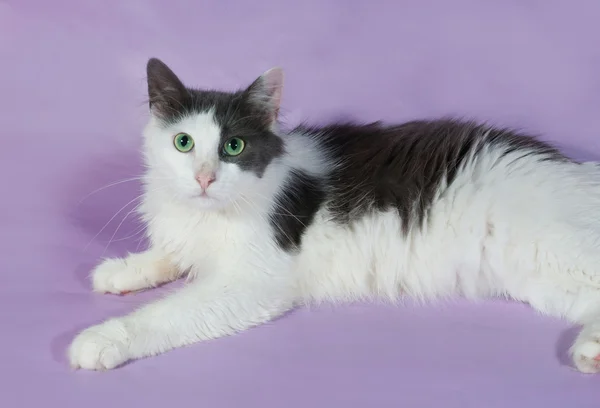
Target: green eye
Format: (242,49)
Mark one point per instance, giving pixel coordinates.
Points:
(183,142)
(234,146)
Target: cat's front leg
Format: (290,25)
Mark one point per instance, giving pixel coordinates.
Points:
(135,272)
(201,310)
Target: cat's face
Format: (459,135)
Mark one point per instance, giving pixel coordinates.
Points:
(211,148)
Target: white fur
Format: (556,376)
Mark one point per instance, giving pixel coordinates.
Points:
(525,230)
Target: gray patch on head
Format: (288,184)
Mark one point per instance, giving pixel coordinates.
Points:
(235,112)
(239,118)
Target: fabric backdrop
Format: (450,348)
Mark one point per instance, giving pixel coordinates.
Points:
(72,104)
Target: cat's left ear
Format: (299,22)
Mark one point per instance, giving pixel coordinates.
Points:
(166,91)
(265,93)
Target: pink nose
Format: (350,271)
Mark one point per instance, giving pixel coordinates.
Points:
(205,179)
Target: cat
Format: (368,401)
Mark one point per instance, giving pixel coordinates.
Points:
(262,220)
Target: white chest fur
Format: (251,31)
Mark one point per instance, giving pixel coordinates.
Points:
(200,241)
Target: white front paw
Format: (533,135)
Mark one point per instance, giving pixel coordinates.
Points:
(100,347)
(115,276)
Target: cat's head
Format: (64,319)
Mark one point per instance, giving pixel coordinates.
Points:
(210,148)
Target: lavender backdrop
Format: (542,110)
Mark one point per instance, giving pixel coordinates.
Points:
(72,103)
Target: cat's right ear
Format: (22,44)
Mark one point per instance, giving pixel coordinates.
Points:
(165,91)
(265,94)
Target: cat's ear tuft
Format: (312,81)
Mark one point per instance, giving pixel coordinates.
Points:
(165,91)
(265,93)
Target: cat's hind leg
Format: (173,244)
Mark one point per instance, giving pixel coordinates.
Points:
(135,272)
(585,351)
(579,303)
(585,310)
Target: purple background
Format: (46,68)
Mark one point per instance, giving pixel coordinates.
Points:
(72,104)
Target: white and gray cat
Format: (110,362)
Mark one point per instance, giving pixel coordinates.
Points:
(262,220)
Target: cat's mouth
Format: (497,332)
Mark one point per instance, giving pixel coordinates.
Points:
(204,198)
(203,195)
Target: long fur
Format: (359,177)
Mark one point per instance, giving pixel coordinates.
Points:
(426,209)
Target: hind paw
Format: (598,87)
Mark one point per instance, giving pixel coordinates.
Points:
(586,355)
